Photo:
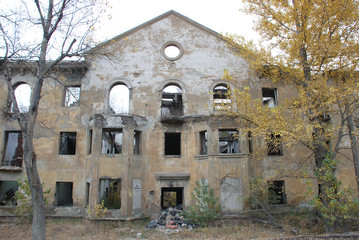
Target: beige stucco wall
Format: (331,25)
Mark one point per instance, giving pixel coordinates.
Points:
(135,59)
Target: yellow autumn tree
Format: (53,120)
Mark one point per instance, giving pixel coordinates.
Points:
(313,46)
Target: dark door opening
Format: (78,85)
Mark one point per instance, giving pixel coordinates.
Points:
(171,197)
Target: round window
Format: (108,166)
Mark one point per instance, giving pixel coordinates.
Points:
(172,51)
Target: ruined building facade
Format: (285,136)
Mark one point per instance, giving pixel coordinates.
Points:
(134,125)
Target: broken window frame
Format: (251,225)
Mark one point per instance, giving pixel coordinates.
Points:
(119,99)
(203,143)
(270,97)
(67,144)
(230,138)
(171,101)
(221,97)
(110,192)
(274,145)
(13,155)
(114,143)
(175,149)
(72,96)
(137,142)
(276,192)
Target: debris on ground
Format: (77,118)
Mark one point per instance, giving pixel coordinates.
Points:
(171,220)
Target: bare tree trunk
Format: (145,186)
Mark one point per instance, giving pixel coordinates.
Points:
(354,147)
(38,203)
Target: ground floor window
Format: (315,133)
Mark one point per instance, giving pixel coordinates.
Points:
(276,192)
(171,197)
(63,195)
(110,193)
(7,193)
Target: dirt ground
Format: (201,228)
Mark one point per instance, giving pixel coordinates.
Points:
(222,229)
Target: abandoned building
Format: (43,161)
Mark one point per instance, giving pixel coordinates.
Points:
(134,125)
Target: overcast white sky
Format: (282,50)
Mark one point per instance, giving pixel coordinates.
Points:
(222,16)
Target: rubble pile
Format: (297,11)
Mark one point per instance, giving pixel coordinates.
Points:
(171,218)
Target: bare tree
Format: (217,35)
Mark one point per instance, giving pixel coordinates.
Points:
(39,35)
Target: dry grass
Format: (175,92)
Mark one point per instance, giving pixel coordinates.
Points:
(65,229)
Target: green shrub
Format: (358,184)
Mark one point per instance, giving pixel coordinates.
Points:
(206,207)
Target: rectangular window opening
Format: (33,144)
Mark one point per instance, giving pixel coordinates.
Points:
(13,149)
(112,141)
(276,192)
(136,142)
(274,145)
(67,143)
(7,193)
(203,143)
(171,197)
(90,142)
(269,97)
(173,144)
(72,96)
(228,141)
(87,194)
(250,143)
(110,193)
(63,194)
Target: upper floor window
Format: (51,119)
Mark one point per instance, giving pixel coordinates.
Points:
(119,99)
(228,141)
(173,143)
(203,143)
(274,144)
(269,97)
(67,143)
(112,141)
(72,96)
(136,142)
(13,149)
(22,95)
(221,98)
(171,104)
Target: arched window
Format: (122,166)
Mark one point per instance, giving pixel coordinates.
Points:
(22,95)
(119,98)
(172,105)
(221,98)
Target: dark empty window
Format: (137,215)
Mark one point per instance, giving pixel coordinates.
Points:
(203,142)
(112,141)
(63,194)
(171,197)
(67,143)
(172,143)
(72,96)
(250,143)
(269,97)
(228,141)
(13,149)
(90,142)
(110,193)
(136,142)
(7,193)
(274,144)
(276,192)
